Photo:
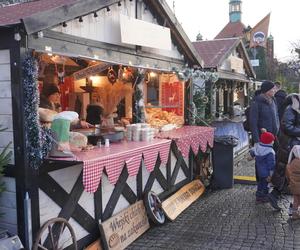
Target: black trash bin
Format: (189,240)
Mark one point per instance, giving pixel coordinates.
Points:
(222,160)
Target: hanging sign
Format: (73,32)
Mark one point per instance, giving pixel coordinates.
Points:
(90,71)
(182,199)
(125,227)
(139,32)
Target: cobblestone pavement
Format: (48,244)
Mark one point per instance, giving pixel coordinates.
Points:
(244,167)
(226,219)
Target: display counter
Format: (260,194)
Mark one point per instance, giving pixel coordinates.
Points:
(96,184)
(113,158)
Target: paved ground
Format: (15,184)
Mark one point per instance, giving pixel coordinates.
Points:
(226,219)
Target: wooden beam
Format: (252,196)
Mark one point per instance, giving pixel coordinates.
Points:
(98,203)
(80,47)
(61,198)
(128,194)
(51,165)
(49,18)
(113,200)
(139,183)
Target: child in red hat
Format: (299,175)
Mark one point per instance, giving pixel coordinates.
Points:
(265,164)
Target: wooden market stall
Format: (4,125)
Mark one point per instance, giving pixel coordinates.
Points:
(91,51)
(229,95)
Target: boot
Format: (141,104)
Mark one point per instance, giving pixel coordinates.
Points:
(61,134)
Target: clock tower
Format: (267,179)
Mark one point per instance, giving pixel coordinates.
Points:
(235,11)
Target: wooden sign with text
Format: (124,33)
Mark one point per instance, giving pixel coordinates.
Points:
(125,227)
(182,199)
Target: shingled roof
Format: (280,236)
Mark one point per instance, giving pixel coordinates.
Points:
(232,30)
(213,52)
(13,14)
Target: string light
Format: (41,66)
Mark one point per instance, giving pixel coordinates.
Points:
(80,19)
(119,4)
(64,24)
(107,9)
(95,14)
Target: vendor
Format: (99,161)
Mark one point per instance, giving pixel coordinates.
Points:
(50,99)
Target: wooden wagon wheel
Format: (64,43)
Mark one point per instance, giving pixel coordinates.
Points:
(55,234)
(153,208)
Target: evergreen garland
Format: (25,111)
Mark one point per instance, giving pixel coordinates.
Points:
(139,106)
(202,95)
(31,118)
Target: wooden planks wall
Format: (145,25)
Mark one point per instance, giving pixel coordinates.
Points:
(8,198)
(8,211)
(5,102)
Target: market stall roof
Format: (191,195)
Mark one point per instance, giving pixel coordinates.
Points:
(232,29)
(43,14)
(215,52)
(13,14)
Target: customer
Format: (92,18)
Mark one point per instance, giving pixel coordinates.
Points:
(293,177)
(263,112)
(289,137)
(280,96)
(265,163)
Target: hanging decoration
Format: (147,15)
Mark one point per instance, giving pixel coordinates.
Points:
(139,104)
(60,73)
(201,94)
(31,104)
(111,75)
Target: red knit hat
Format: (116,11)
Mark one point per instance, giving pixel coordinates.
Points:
(267,138)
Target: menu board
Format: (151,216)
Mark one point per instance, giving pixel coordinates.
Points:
(125,227)
(172,97)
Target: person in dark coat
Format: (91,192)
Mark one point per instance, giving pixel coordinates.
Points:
(50,98)
(263,112)
(289,137)
(280,96)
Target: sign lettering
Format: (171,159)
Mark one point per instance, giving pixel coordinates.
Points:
(125,227)
(182,199)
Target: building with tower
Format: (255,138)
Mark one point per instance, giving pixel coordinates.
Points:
(235,27)
(260,47)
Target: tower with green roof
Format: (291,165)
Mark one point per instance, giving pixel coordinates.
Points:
(235,11)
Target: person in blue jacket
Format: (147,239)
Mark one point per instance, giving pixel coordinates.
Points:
(265,164)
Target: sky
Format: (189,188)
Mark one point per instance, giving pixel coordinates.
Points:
(210,16)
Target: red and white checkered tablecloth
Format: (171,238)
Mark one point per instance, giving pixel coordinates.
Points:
(190,136)
(114,158)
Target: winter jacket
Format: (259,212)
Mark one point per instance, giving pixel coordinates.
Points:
(263,114)
(280,98)
(293,176)
(290,130)
(264,159)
